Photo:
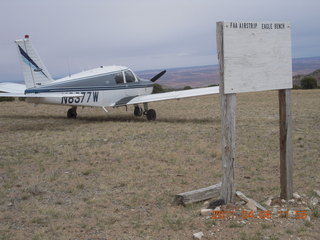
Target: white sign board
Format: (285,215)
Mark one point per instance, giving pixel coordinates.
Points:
(256,56)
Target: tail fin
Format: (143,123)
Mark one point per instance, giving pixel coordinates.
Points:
(34,71)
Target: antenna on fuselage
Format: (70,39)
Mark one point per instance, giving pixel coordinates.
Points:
(68,62)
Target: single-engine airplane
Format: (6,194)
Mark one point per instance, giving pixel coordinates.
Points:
(105,86)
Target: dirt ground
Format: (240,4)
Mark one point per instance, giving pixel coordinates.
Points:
(114,176)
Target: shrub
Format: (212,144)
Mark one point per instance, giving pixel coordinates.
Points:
(6,99)
(309,83)
(157,88)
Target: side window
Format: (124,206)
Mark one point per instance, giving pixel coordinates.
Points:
(119,78)
(129,77)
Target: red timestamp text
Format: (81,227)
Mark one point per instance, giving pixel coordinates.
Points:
(245,214)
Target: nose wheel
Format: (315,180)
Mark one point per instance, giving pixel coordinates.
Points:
(72,112)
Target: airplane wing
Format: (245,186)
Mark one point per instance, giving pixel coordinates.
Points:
(167,96)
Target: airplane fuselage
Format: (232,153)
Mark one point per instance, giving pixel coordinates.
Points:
(99,87)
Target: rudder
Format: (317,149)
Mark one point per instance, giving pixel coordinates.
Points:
(34,71)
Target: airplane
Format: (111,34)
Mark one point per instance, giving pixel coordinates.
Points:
(105,86)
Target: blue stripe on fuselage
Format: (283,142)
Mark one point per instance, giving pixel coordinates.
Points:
(91,88)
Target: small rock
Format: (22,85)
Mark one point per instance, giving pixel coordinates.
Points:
(268,202)
(198,235)
(10,204)
(217,209)
(206,212)
(251,205)
(314,201)
(296,195)
(317,192)
(308,219)
(291,201)
(283,201)
(206,204)
(291,214)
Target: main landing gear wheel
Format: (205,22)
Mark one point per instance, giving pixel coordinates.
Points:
(151,115)
(138,111)
(72,113)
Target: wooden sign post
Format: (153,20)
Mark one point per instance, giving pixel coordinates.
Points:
(286,155)
(254,56)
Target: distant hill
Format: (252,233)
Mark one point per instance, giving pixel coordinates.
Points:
(305,65)
(202,76)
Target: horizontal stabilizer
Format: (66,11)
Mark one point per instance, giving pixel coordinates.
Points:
(9,87)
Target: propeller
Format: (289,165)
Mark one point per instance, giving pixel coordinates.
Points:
(159,75)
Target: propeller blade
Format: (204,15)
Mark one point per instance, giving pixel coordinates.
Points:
(159,75)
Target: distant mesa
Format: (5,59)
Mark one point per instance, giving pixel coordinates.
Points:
(203,76)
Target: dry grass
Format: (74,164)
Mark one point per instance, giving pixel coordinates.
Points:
(115,176)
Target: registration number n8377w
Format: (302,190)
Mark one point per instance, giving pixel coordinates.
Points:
(86,98)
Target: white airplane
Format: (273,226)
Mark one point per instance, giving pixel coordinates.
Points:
(105,86)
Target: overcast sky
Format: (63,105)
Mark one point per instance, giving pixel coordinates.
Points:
(76,35)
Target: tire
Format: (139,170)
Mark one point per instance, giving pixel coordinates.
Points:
(72,113)
(137,111)
(151,115)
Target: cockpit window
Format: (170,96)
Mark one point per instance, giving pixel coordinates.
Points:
(129,76)
(119,78)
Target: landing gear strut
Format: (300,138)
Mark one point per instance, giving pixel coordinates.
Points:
(149,113)
(72,112)
(137,111)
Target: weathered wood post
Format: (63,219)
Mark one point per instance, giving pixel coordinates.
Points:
(228,145)
(228,127)
(286,156)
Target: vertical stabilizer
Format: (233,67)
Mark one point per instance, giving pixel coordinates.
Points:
(34,71)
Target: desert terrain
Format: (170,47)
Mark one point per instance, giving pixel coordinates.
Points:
(114,176)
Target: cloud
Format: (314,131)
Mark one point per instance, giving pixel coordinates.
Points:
(141,34)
